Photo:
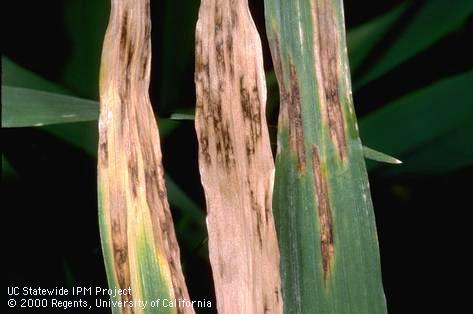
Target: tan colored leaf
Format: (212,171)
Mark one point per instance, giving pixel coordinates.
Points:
(235,159)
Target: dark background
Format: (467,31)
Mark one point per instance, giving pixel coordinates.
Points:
(49,184)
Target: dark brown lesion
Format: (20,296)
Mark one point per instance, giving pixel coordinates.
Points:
(204,147)
(229,46)
(296,128)
(219,39)
(209,103)
(133,173)
(227,144)
(245,99)
(124,32)
(328,52)
(324,213)
(256,211)
(259,226)
(103,146)
(251,109)
(290,102)
(221,127)
(118,222)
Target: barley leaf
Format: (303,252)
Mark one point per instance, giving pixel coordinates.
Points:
(323,211)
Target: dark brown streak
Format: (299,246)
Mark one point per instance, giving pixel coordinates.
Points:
(204,149)
(290,103)
(219,44)
(119,246)
(223,141)
(324,213)
(133,172)
(251,108)
(229,43)
(296,130)
(328,51)
(103,145)
(124,32)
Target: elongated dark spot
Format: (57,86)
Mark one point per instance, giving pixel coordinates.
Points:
(124,32)
(259,223)
(204,147)
(133,173)
(103,147)
(120,245)
(324,213)
(290,103)
(219,49)
(229,45)
(326,59)
(296,130)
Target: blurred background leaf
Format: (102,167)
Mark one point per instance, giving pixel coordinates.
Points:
(420,122)
(15,75)
(363,38)
(85,22)
(431,21)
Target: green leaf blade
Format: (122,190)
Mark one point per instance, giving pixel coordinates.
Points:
(323,211)
(26,107)
(372,154)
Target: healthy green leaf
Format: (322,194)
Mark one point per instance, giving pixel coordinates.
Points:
(182,116)
(26,107)
(372,154)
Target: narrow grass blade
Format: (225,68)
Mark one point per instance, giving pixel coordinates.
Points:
(27,107)
(323,210)
(187,114)
(139,243)
(372,154)
(235,160)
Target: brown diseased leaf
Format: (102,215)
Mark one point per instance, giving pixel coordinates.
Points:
(136,222)
(236,164)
